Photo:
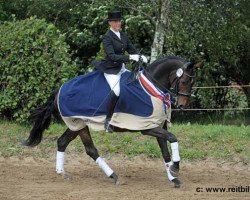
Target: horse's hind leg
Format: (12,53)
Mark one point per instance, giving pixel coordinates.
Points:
(62,144)
(93,153)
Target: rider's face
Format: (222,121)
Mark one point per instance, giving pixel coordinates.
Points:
(115,25)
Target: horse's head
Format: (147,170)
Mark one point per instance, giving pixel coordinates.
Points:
(175,73)
(182,80)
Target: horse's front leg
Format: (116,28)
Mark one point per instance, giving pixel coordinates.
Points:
(175,150)
(162,136)
(171,169)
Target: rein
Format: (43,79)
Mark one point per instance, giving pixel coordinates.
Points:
(150,88)
(159,85)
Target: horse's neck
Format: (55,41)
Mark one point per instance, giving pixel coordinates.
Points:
(158,79)
(163,73)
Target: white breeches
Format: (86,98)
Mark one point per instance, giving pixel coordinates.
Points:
(114,80)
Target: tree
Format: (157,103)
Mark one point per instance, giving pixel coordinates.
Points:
(161,28)
(82,22)
(157,14)
(218,33)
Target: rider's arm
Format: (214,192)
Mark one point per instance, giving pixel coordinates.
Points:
(109,50)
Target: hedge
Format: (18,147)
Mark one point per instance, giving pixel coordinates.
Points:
(34,60)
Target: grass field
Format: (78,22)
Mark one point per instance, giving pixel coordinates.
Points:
(196,142)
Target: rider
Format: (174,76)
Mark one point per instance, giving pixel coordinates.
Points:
(115,43)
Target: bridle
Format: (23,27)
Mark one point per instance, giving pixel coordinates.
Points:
(174,85)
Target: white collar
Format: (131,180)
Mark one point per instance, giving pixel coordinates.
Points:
(116,32)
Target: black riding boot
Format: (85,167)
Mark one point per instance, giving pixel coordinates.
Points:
(111,107)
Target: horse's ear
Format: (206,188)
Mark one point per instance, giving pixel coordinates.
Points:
(198,65)
(188,65)
(192,65)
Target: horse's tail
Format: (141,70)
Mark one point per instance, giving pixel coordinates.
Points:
(42,118)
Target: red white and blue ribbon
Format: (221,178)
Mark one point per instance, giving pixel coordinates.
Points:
(154,91)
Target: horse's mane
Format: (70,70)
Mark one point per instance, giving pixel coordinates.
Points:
(164,59)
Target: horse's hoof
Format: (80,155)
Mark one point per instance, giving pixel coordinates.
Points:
(174,171)
(23,142)
(177,183)
(115,179)
(66,176)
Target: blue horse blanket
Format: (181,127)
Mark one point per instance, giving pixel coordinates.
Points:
(86,97)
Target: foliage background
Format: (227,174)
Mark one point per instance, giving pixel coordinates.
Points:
(34,61)
(215,32)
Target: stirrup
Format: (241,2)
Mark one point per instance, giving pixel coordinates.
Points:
(108,127)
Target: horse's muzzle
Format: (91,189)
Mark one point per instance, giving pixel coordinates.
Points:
(182,102)
(180,107)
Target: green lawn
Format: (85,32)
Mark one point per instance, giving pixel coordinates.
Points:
(196,142)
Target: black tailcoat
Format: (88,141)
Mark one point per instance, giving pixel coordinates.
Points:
(114,49)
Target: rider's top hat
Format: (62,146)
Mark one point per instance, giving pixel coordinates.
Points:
(114,15)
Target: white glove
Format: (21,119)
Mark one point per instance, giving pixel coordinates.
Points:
(144,59)
(134,57)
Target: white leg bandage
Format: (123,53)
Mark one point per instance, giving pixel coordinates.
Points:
(59,162)
(104,166)
(175,152)
(167,165)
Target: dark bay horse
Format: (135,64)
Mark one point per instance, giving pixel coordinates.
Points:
(166,73)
